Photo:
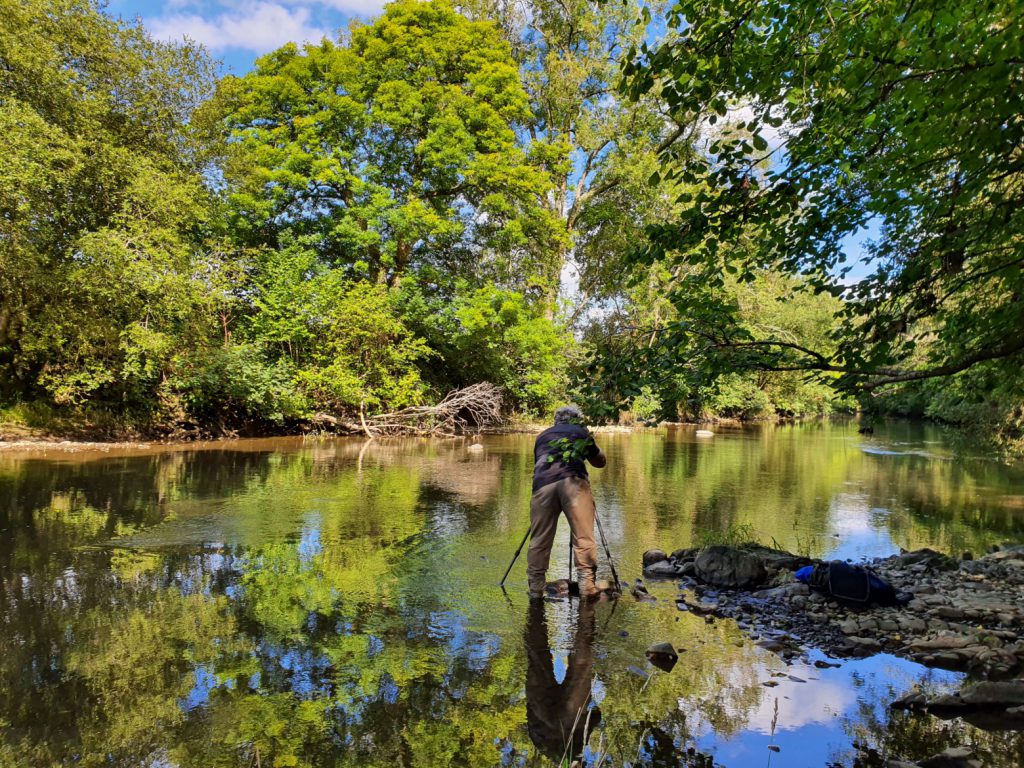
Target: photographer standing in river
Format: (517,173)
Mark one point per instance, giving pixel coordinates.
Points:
(560,485)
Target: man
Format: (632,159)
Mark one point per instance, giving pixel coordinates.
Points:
(560,484)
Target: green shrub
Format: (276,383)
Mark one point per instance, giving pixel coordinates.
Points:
(738,535)
(233,384)
(737,395)
(490,334)
(647,405)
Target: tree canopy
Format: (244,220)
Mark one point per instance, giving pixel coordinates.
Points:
(900,117)
(394,149)
(100,199)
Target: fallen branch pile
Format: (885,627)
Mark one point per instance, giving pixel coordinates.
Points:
(470,409)
(462,410)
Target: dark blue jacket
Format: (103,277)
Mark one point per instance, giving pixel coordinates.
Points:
(546,472)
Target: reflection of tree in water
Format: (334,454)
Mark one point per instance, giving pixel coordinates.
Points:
(880,735)
(783,480)
(340,642)
(767,480)
(637,722)
(309,651)
(715,685)
(915,736)
(951,505)
(200,676)
(323,612)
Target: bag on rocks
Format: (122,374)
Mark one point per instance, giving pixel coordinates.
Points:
(849,585)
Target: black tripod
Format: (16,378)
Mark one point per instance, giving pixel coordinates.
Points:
(604,541)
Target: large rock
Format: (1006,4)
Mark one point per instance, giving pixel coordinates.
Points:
(987,705)
(1003,695)
(729,567)
(928,558)
(1007,553)
(687,553)
(953,757)
(663,569)
(778,559)
(652,556)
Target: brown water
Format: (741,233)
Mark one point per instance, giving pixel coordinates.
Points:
(280,603)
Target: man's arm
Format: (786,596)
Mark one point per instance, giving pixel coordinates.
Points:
(596,456)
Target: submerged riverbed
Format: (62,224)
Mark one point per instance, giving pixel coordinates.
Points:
(334,603)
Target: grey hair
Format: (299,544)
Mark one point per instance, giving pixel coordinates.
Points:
(568,414)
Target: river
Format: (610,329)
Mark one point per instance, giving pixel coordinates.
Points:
(335,603)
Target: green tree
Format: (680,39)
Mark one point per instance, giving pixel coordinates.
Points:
(840,116)
(491,334)
(598,148)
(657,347)
(363,355)
(393,149)
(103,278)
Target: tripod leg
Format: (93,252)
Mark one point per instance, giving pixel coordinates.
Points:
(607,550)
(515,556)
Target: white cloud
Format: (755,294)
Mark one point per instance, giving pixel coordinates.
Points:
(251,26)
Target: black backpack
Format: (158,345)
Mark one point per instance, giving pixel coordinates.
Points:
(853,586)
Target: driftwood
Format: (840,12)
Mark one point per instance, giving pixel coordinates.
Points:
(460,411)
(470,409)
(325,423)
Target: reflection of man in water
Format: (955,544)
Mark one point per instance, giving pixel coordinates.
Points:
(560,485)
(560,716)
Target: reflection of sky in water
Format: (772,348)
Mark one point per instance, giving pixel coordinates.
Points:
(205,682)
(812,715)
(475,649)
(305,671)
(877,451)
(856,530)
(309,544)
(448,520)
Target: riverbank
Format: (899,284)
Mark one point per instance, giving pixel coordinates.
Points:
(19,437)
(962,614)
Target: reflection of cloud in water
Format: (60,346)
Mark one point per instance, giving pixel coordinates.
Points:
(813,702)
(811,724)
(856,529)
(816,701)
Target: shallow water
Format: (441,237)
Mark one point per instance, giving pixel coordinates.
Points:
(334,603)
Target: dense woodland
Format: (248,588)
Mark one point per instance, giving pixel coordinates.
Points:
(644,209)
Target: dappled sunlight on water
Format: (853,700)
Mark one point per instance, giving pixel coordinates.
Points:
(335,602)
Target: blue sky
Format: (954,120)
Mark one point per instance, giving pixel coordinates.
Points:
(237,31)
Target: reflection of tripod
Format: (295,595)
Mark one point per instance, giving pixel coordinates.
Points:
(560,716)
